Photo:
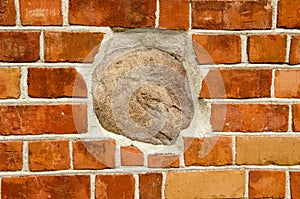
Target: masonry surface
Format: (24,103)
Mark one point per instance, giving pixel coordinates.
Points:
(47,52)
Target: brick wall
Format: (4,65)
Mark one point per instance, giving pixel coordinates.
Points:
(46,47)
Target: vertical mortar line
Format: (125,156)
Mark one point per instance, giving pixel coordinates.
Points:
(233,149)
(244,40)
(290,119)
(247,184)
(71,154)
(18,18)
(287,184)
(190,15)
(157,14)
(164,178)
(42,53)
(65,11)
(23,83)
(25,156)
(118,155)
(273,84)
(93,185)
(288,48)
(137,186)
(274,14)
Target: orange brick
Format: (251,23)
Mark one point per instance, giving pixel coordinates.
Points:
(174,14)
(43,119)
(223,49)
(7,13)
(296,117)
(11,156)
(267,48)
(295,184)
(19,46)
(210,151)
(117,186)
(295,50)
(131,156)
(288,14)
(55,82)
(41,12)
(287,83)
(46,187)
(150,185)
(94,154)
(238,84)
(267,184)
(49,155)
(232,15)
(113,13)
(267,150)
(206,184)
(71,46)
(163,161)
(9,83)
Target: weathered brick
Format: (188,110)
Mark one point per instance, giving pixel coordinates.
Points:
(223,49)
(55,82)
(11,156)
(295,184)
(41,12)
(210,151)
(49,155)
(267,184)
(232,15)
(19,46)
(267,48)
(267,150)
(206,184)
(174,15)
(131,156)
(296,117)
(295,50)
(46,187)
(287,83)
(71,46)
(249,117)
(117,186)
(43,119)
(150,185)
(237,83)
(7,12)
(113,13)
(9,83)
(163,161)
(288,14)
(94,154)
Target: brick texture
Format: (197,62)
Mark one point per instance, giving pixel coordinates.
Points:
(205,184)
(150,185)
(232,15)
(267,48)
(19,46)
(296,117)
(43,119)
(71,46)
(7,12)
(295,182)
(94,154)
(295,50)
(54,83)
(41,12)
(267,184)
(131,156)
(11,156)
(46,187)
(163,161)
(121,13)
(288,14)
(9,83)
(237,84)
(287,83)
(117,186)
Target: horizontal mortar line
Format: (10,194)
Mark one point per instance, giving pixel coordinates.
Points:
(40,137)
(45,64)
(279,101)
(271,31)
(255,134)
(57,28)
(250,66)
(42,101)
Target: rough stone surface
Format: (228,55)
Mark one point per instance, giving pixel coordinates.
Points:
(9,83)
(288,14)
(11,156)
(131,156)
(295,50)
(7,12)
(150,185)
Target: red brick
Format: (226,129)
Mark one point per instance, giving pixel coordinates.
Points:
(41,12)
(295,50)
(223,49)
(49,155)
(71,46)
(113,13)
(94,154)
(210,151)
(249,117)
(296,117)
(163,161)
(11,156)
(150,185)
(9,83)
(232,15)
(287,83)
(117,186)
(19,46)
(267,184)
(174,15)
(46,187)
(7,12)
(267,48)
(288,14)
(131,156)
(237,83)
(55,82)
(43,119)
(295,184)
